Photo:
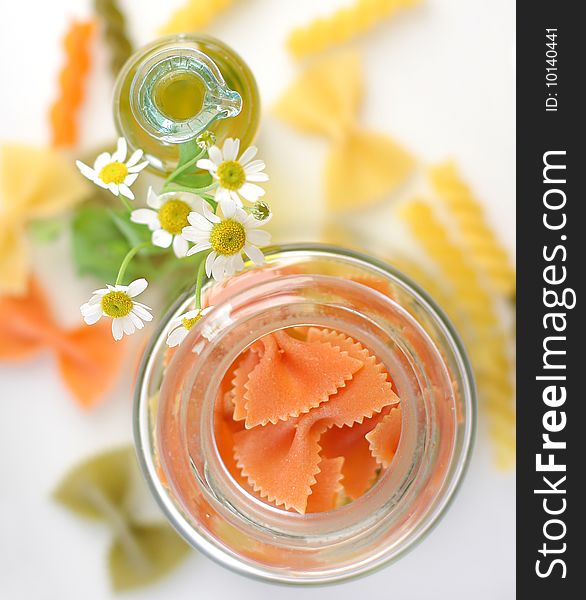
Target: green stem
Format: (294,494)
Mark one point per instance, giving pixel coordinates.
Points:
(126,202)
(129,256)
(184,167)
(199,282)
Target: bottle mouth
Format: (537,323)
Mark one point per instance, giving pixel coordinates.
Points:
(239,530)
(178,93)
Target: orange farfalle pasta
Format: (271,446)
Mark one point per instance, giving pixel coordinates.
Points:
(294,376)
(384,438)
(327,487)
(281,461)
(72,78)
(88,358)
(360,467)
(244,366)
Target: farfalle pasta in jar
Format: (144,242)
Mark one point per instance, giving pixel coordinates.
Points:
(314,425)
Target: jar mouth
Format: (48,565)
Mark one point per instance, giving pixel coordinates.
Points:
(432,444)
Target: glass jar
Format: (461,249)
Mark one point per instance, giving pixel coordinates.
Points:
(326,287)
(171,90)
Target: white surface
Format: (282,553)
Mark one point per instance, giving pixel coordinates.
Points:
(440,78)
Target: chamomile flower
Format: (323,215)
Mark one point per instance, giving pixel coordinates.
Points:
(181,325)
(111,172)
(227,237)
(166,218)
(236,177)
(117,302)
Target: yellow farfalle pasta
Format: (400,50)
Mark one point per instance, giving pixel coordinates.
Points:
(35,183)
(194,14)
(362,167)
(343,25)
(486,343)
(477,238)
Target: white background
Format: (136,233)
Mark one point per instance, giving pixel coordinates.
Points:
(441,79)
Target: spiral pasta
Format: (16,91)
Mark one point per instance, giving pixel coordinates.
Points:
(64,111)
(195,14)
(342,25)
(477,239)
(487,344)
(114,32)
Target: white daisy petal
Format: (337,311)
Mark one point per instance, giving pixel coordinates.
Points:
(127,325)
(197,220)
(136,320)
(142,312)
(121,150)
(136,156)
(228,208)
(117,329)
(113,188)
(176,337)
(101,161)
(218,267)
(139,167)
(162,238)
(180,246)
(144,216)
(130,179)
(258,237)
(93,318)
(208,213)
(255,166)
(230,149)
(138,286)
(251,192)
(258,177)
(152,199)
(255,255)
(237,262)
(209,262)
(199,247)
(248,155)
(206,164)
(215,155)
(126,191)
(85,170)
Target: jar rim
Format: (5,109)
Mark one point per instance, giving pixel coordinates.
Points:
(143,441)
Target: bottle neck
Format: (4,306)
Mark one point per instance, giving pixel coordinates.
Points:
(178,93)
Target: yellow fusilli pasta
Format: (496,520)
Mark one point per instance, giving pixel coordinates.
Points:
(194,15)
(343,25)
(486,343)
(477,238)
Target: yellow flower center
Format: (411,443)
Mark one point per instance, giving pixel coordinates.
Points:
(231,175)
(114,172)
(173,216)
(116,304)
(228,237)
(189,323)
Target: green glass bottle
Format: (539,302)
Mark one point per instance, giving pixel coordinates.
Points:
(179,86)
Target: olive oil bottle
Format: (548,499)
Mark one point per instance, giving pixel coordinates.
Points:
(179,86)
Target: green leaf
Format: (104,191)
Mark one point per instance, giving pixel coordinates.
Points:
(192,179)
(151,552)
(100,242)
(47,230)
(107,475)
(187,151)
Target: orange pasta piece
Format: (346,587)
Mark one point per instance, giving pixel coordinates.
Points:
(327,486)
(72,78)
(384,438)
(245,365)
(88,359)
(369,392)
(294,376)
(360,467)
(280,461)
